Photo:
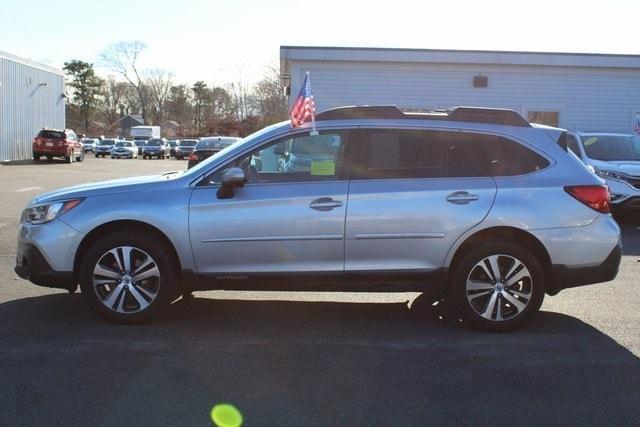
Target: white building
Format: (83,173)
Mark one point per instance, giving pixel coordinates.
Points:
(31,97)
(570,90)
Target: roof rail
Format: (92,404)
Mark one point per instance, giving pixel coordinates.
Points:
(496,116)
(362,112)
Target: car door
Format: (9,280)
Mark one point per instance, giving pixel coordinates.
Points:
(284,219)
(413,194)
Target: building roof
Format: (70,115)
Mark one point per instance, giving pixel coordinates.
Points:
(129,121)
(30,63)
(441,56)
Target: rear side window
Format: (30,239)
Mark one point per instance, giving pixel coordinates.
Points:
(397,154)
(504,157)
(51,134)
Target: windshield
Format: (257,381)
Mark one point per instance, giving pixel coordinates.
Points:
(154,142)
(107,142)
(123,144)
(215,143)
(612,147)
(188,143)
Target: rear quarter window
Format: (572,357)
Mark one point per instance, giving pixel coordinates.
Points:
(504,157)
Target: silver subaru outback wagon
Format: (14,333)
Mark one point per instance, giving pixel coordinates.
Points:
(477,204)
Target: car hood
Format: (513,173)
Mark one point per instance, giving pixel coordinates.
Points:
(121,185)
(629,167)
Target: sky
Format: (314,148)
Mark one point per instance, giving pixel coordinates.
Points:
(232,41)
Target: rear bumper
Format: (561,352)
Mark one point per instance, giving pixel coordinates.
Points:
(51,151)
(571,277)
(35,268)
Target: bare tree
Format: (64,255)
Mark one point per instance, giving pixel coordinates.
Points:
(270,97)
(115,100)
(122,58)
(157,85)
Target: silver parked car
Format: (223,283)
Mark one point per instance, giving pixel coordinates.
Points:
(474,203)
(124,150)
(614,157)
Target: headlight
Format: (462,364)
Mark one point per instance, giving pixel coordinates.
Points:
(603,173)
(40,214)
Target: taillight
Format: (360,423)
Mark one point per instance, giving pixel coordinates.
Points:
(595,196)
(193,156)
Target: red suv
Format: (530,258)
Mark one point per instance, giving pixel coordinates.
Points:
(58,143)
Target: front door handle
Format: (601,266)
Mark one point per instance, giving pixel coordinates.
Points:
(461,198)
(325,204)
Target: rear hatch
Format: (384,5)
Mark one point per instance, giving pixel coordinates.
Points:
(50,140)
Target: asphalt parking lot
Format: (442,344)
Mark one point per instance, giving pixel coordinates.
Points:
(305,359)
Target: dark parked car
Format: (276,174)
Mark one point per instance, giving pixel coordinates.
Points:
(140,143)
(156,147)
(52,143)
(209,146)
(173,143)
(185,148)
(104,148)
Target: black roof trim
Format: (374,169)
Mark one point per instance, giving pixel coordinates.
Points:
(496,116)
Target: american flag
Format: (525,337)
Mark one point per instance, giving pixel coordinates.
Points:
(304,108)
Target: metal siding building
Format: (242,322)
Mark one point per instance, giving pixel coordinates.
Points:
(577,91)
(31,97)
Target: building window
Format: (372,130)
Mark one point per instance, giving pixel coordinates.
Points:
(551,118)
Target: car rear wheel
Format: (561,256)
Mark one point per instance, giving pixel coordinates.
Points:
(127,278)
(36,157)
(498,287)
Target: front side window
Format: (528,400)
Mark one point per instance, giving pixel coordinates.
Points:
(398,154)
(301,158)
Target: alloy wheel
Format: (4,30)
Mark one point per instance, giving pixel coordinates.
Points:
(126,279)
(499,287)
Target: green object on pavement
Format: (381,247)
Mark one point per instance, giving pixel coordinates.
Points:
(226,415)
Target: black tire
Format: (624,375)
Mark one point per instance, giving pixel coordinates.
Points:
(167,284)
(535,286)
(36,157)
(49,158)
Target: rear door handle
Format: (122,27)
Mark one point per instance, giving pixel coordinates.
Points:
(325,204)
(461,198)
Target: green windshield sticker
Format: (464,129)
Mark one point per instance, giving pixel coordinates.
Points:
(590,141)
(323,168)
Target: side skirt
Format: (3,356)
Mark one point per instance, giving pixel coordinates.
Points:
(365,281)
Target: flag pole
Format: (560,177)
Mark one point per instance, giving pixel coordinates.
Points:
(314,132)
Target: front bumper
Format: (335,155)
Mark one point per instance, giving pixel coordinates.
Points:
(34,267)
(46,253)
(623,195)
(122,154)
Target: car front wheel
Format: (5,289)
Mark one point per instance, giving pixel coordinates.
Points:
(498,287)
(127,278)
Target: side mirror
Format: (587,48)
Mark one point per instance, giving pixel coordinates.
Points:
(233,178)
